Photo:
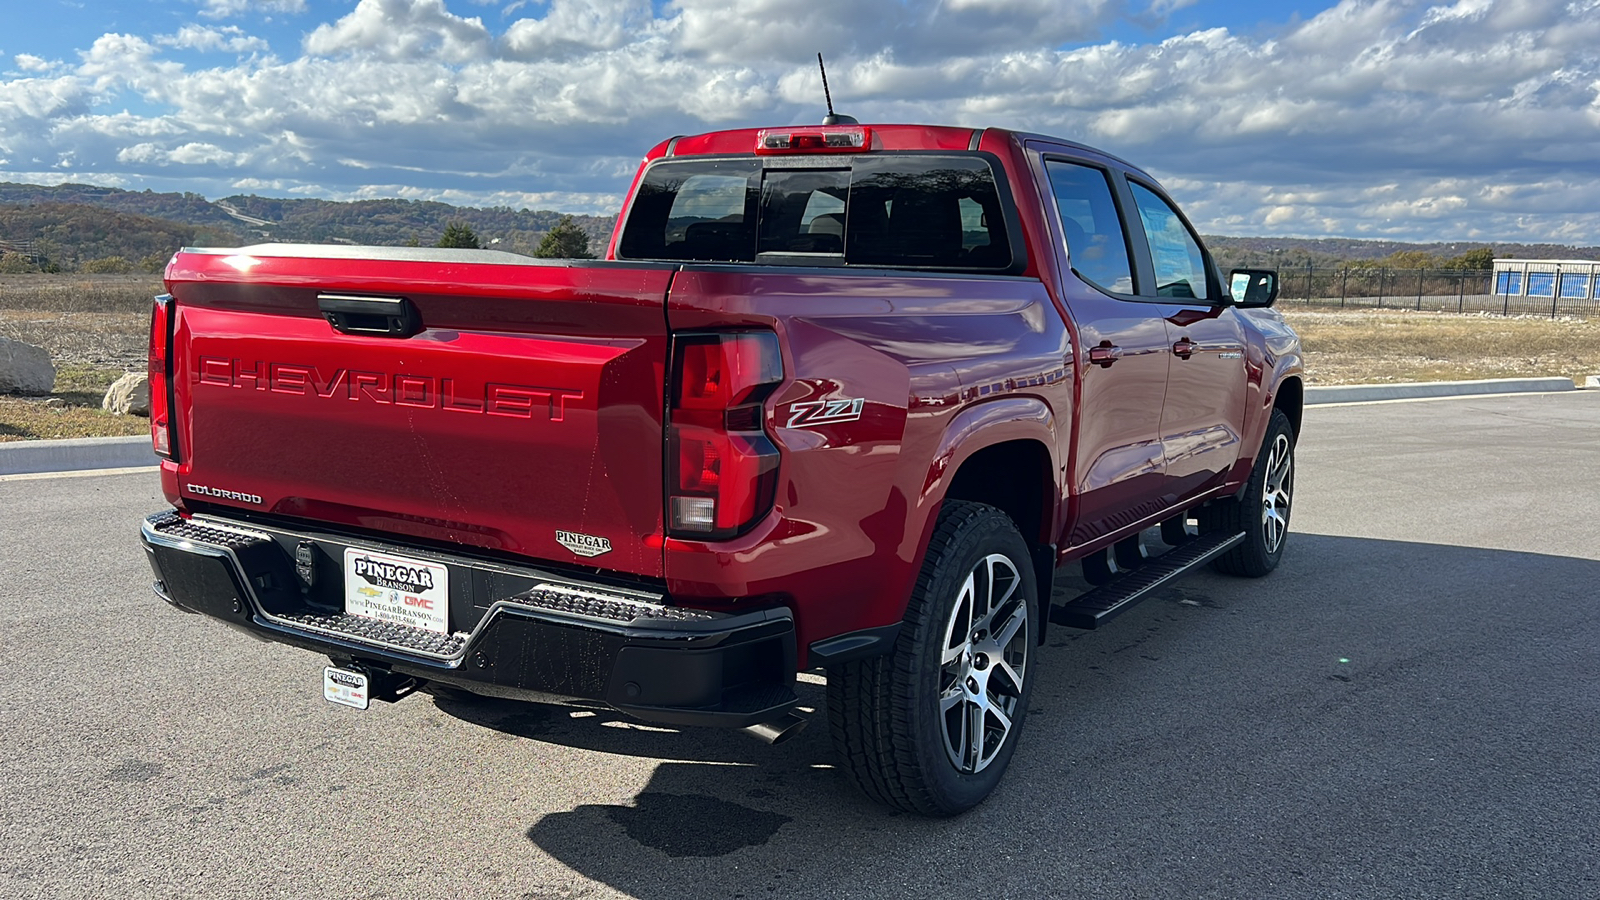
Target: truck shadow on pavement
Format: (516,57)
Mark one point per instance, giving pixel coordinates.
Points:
(1370,705)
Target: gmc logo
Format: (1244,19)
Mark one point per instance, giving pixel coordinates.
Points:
(517,401)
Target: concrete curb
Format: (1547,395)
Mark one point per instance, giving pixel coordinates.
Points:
(1368,393)
(25,457)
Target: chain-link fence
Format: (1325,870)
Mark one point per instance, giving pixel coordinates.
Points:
(1436,290)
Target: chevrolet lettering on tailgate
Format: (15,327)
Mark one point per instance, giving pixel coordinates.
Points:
(425,391)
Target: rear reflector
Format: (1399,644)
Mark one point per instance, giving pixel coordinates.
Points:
(827,139)
(723,469)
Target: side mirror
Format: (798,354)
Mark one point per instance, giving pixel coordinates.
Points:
(1253,287)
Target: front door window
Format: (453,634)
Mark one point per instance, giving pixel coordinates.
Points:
(1180,267)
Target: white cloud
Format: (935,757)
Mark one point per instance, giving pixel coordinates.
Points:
(1374,117)
(193,153)
(419,30)
(221,9)
(574,26)
(231,38)
(27,62)
(782,31)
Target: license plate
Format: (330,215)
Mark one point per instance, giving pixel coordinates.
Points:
(397,589)
(346,686)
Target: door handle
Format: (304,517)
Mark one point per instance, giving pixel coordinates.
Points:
(1104,355)
(1184,348)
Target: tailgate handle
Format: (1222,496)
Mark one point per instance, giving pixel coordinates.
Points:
(373,316)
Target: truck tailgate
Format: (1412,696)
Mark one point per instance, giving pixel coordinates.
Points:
(523,415)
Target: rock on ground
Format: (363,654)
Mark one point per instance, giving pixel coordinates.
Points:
(130,394)
(25,369)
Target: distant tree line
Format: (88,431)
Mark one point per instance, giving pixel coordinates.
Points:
(564,241)
(85,228)
(74,237)
(1333,253)
(1481,258)
(66,236)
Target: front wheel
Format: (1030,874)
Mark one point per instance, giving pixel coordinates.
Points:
(930,727)
(1262,511)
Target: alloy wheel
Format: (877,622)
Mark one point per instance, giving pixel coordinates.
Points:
(1275,493)
(983,664)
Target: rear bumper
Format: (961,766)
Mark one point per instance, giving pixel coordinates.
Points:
(547,637)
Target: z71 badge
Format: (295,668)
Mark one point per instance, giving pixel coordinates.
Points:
(824,412)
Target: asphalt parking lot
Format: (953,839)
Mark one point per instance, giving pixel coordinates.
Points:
(1409,707)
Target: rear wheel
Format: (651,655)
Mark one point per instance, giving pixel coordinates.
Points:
(930,727)
(1262,511)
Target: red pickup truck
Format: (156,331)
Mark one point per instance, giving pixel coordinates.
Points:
(838,398)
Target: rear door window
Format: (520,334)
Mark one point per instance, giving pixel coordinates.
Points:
(1097,246)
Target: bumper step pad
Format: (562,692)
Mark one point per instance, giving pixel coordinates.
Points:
(1093,608)
(602,606)
(175,526)
(388,635)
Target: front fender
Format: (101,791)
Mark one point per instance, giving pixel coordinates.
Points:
(1275,357)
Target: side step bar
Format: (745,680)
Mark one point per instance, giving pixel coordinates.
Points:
(1095,607)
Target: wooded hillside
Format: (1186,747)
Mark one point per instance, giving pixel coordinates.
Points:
(71,226)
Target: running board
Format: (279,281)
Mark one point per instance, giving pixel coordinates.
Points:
(1095,607)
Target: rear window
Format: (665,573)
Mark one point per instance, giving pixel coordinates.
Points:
(925,212)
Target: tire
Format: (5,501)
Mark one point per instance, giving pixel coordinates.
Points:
(1261,511)
(902,724)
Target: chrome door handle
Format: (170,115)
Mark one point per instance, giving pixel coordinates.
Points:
(1104,355)
(1184,348)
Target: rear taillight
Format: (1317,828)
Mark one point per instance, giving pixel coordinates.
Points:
(160,377)
(722,468)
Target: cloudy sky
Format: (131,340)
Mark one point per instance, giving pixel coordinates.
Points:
(1474,119)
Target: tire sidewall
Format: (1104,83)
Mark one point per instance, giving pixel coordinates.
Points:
(1258,559)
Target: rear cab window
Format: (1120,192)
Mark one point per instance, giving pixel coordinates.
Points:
(914,210)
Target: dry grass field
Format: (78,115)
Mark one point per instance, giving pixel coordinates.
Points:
(1370,347)
(94,328)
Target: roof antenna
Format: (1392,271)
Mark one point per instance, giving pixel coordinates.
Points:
(832,118)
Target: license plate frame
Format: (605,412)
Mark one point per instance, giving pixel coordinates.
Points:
(403,590)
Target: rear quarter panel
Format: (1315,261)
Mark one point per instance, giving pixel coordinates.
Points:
(856,499)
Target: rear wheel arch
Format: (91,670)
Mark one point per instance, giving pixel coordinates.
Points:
(1015,477)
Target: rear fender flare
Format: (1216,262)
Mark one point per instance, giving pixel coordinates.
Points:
(986,424)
